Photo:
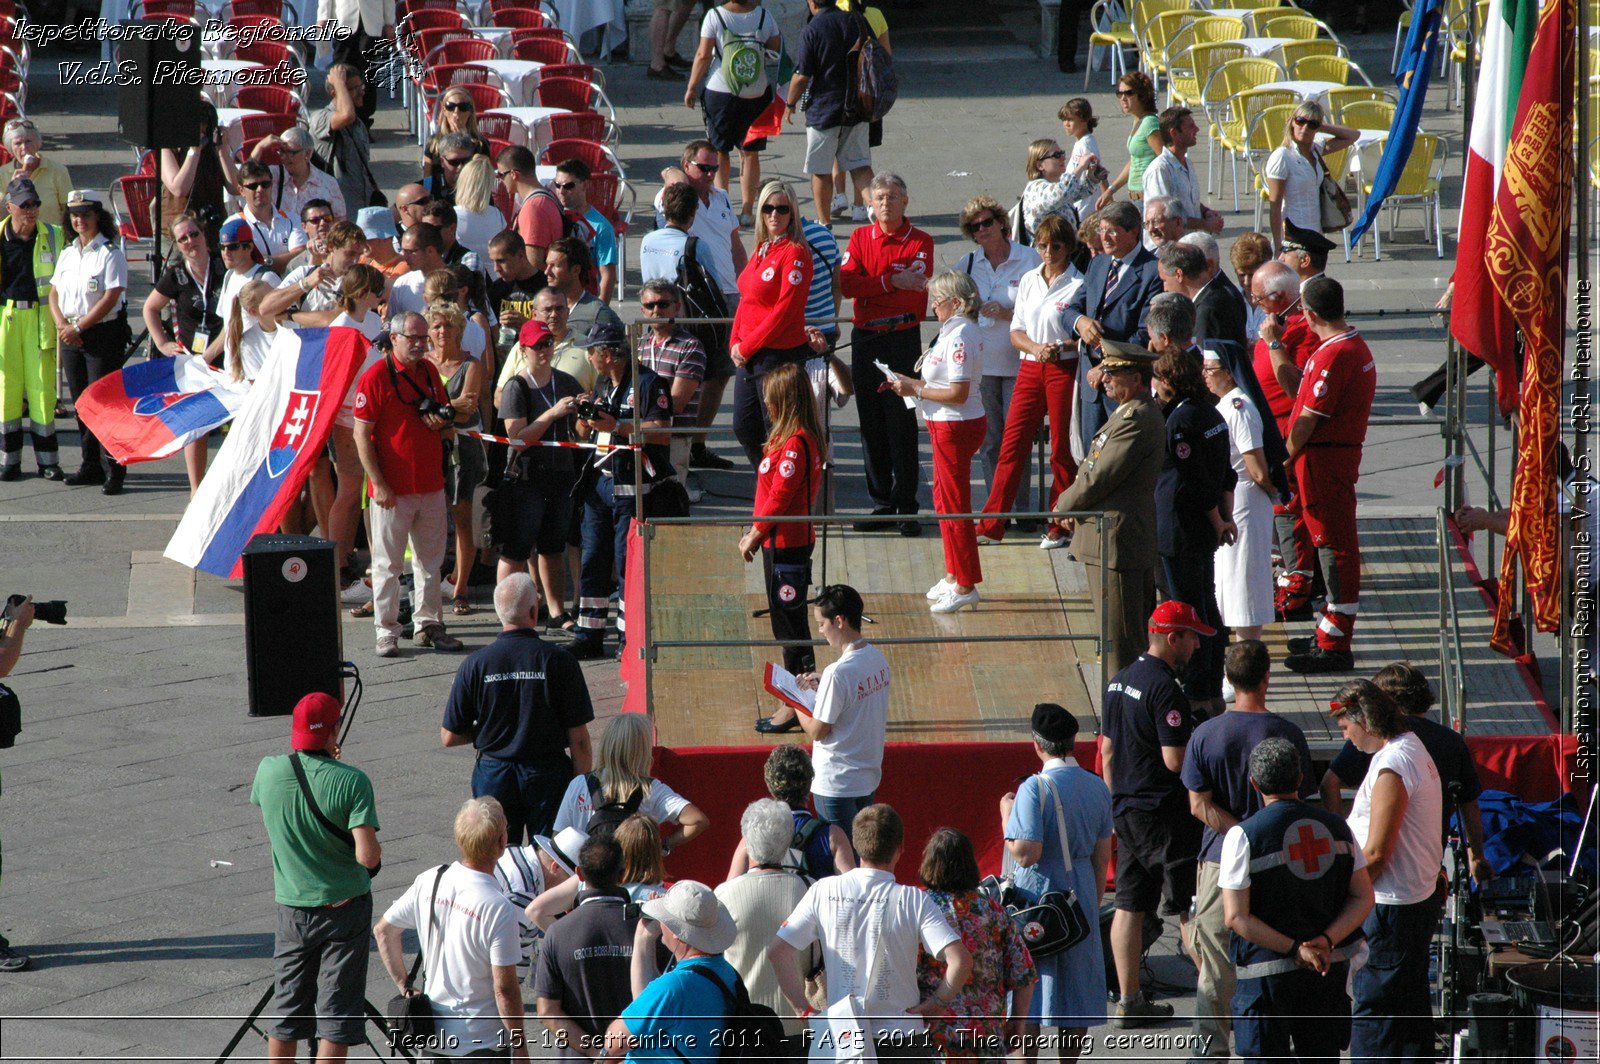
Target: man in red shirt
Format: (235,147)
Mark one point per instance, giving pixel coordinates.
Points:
(1280,356)
(1328,427)
(885,270)
(538,221)
(401,443)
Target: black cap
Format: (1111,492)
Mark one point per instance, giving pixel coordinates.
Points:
(1299,239)
(1053,724)
(604,334)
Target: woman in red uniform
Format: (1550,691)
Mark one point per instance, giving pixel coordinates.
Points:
(769,328)
(787,479)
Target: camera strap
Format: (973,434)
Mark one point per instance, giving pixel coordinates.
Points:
(396,376)
(335,830)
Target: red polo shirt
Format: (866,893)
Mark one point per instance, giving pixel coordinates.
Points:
(871,258)
(1339,383)
(410,454)
(1299,341)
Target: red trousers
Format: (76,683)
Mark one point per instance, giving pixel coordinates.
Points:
(1289,529)
(1327,484)
(954,444)
(1041,387)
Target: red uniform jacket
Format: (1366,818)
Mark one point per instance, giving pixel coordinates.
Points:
(871,258)
(772,298)
(1340,380)
(1299,341)
(786,486)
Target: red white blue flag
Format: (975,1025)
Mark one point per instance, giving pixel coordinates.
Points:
(149,410)
(275,440)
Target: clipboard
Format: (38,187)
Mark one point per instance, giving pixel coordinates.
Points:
(782,685)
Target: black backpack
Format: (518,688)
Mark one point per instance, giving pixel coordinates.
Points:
(801,845)
(871,85)
(702,298)
(752,1031)
(607,815)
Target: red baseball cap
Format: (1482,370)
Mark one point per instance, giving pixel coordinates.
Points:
(533,333)
(316,716)
(1175,616)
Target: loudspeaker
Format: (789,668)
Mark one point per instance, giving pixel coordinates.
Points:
(160,106)
(292,637)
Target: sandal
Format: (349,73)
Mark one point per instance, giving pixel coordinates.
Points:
(363,610)
(461,607)
(561,622)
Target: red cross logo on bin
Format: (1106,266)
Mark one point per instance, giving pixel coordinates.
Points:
(1312,843)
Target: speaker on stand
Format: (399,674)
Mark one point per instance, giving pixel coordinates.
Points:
(294,643)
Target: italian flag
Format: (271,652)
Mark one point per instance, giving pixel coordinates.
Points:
(770,122)
(1479,319)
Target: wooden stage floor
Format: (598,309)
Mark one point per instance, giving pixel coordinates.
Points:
(985,691)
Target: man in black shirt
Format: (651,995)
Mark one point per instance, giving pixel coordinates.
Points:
(1147,726)
(822,66)
(581,978)
(525,705)
(512,287)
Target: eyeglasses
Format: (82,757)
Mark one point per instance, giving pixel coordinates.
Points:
(705,168)
(659,304)
(256,185)
(983,223)
(413,203)
(458,161)
(564,186)
(1154,224)
(238,245)
(1309,123)
(545,344)
(503,174)
(183,238)
(319,219)
(416,338)
(285,150)
(31,205)
(1057,154)
(458,106)
(780,209)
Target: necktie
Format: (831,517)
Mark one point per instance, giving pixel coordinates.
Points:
(1111,277)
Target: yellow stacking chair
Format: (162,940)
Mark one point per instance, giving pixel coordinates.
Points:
(1110,27)
(1264,137)
(1337,99)
(1231,131)
(1418,187)
(1367,114)
(1329,68)
(1188,73)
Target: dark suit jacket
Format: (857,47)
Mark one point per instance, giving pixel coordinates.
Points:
(1121,313)
(1219,312)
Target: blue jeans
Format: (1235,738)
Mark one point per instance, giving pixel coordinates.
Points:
(605,554)
(530,794)
(841,811)
(1392,1014)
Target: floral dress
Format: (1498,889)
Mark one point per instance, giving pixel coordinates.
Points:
(974,1022)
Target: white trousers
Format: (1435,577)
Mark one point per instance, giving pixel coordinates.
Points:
(423,520)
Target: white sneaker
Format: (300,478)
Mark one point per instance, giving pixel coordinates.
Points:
(937,591)
(860,214)
(1227,690)
(446,590)
(388,647)
(841,203)
(954,602)
(357,594)
(1056,542)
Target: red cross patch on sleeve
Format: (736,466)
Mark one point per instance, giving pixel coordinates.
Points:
(1182,450)
(796,276)
(786,468)
(1174,719)
(958,354)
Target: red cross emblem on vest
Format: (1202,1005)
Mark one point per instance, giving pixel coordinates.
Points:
(1309,845)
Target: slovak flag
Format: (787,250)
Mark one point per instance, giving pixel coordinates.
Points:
(149,410)
(274,442)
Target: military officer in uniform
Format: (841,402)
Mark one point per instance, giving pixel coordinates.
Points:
(1295,890)
(28,250)
(1305,251)
(1118,476)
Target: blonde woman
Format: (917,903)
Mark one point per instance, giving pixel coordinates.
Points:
(250,333)
(1050,188)
(478,220)
(953,408)
(622,779)
(1293,172)
(361,290)
(457,114)
(465,463)
(643,875)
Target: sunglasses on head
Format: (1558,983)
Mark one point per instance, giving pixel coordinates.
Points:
(775,208)
(565,186)
(458,105)
(659,304)
(257,185)
(238,245)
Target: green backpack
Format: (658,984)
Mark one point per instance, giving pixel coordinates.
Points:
(744,66)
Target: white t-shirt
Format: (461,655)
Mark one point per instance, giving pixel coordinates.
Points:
(279,233)
(1170,176)
(1413,869)
(232,283)
(1041,308)
(370,327)
(1085,146)
(853,696)
(958,355)
(474,229)
(998,284)
(1235,871)
(255,345)
(757,26)
(477,931)
(855,916)
(1302,200)
(661,803)
(714,224)
(405,295)
(323,297)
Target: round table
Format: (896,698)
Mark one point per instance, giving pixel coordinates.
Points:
(1261,45)
(519,76)
(533,120)
(499,36)
(222,77)
(1306,90)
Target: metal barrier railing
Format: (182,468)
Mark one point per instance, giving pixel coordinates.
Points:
(1452,675)
(651,645)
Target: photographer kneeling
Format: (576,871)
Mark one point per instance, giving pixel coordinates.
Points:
(403,417)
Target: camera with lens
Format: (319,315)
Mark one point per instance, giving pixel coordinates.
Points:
(588,409)
(52,612)
(431,408)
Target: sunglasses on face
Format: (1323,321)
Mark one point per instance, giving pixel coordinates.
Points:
(565,186)
(256,186)
(1057,154)
(984,223)
(1126,92)
(1309,123)
(321,219)
(503,174)
(184,238)
(658,304)
(780,209)
(705,168)
(458,161)
(240,245)
(544,345)
(456,105)
(413,203)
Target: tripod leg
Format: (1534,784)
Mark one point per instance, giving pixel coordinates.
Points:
(249,1024)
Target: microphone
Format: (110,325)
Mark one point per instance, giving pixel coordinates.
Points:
(891,322)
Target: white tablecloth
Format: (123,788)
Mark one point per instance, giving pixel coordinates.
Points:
(499,36)
(1306,90)
(115,11)
(518,75)
(1260,45)
(221,93)
(578,17)
(532,119)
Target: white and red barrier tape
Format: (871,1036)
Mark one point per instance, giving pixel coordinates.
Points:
(608,449)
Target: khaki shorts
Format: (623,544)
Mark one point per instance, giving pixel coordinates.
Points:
(848,144)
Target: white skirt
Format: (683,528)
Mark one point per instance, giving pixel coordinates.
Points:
(1244,570)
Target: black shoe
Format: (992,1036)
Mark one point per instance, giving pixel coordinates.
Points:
(86,475)
(52,472)
(1317,660)
(111,487)
(765,726)
(909,529)
(677,62)
(875,526)
(11,960)
(664,74)
(1302,644)
(11,473)
(587,649)
(705,459)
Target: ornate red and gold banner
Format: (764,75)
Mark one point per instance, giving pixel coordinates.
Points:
(1526,249)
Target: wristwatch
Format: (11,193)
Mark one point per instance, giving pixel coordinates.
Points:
(1274,345)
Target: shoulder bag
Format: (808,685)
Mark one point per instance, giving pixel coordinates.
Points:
(1336,211)
(409,1017)
(342,834)
(1056,922)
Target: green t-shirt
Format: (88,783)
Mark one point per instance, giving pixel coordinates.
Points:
(310,866)
(1139,153)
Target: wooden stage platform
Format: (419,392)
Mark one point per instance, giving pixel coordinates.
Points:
(985,691)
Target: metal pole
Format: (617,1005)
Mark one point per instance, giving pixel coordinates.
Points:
(1452,430)
(1493,492)
(647,533)
(1105,640)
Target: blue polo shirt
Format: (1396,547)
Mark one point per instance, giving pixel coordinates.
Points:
(681,1015)
(1145,709)
(1218,760)
(517,698)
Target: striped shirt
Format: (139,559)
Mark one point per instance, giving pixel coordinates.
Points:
(678,355)
(521,879)
(820,307)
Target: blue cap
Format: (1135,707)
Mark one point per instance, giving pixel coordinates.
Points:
(376,222)
(235,231)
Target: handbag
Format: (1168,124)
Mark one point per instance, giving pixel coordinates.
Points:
(1336,210)
(409,1018)
(1056,921)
